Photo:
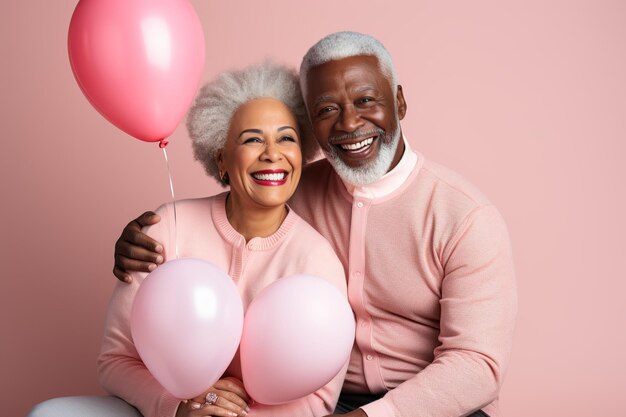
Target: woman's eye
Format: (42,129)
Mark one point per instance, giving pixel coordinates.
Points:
(253,140)
(288,138)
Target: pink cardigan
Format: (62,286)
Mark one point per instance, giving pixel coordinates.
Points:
(204,232)
(431,282)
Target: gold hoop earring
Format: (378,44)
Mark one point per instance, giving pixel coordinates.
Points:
(224,178)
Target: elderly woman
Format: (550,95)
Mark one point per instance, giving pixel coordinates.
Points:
(250,132)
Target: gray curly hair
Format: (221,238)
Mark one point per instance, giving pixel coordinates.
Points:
(209,119)
(340,45)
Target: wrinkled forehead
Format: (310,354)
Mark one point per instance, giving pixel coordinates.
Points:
(355,71)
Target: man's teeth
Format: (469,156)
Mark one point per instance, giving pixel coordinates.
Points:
(270,177)
(357,146)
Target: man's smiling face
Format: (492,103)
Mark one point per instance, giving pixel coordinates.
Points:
(356,117)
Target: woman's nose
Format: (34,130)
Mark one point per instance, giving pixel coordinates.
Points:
(271,152)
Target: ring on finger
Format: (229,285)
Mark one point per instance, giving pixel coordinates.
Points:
(211,398)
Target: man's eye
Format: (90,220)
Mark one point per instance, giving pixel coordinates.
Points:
(365,100)
(325,110)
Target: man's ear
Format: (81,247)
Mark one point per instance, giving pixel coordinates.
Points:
(401,103)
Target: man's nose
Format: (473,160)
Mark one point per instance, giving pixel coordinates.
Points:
(349,119)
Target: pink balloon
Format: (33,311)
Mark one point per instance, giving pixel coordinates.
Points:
(138,62)
(298,333)
(186,323)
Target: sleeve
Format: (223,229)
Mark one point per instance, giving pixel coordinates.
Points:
(120,369)
(478,308)
(323,262)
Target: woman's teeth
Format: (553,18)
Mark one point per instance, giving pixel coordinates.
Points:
(270,177)
(357,146)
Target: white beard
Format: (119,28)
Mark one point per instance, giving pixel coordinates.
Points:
(374,170)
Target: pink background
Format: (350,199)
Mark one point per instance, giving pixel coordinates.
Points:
(526,99)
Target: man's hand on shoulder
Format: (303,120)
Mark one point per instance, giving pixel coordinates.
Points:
(136,251)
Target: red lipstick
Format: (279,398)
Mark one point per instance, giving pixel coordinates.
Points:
(270,177)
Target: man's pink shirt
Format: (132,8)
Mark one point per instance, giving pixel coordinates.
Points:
(431,282)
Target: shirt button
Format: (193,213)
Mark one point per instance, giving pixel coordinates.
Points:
(359,204)
(369,357)
(357,274)
(364,324)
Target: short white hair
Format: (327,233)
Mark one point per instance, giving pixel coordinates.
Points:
(208,121)
(340,45)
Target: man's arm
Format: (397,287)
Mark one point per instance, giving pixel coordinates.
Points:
(478,308)
(136,251)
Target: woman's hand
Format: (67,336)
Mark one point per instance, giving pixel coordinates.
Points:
(227,398)
(136,251)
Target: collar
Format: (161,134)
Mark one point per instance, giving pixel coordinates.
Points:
(391,181)
(228,232)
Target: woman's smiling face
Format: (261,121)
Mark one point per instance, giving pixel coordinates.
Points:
(262,155)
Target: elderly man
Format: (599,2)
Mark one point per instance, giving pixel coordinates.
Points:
(430,275)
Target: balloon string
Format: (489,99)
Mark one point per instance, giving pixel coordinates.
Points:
(169,173)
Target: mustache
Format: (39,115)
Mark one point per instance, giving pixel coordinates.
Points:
(354,135)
